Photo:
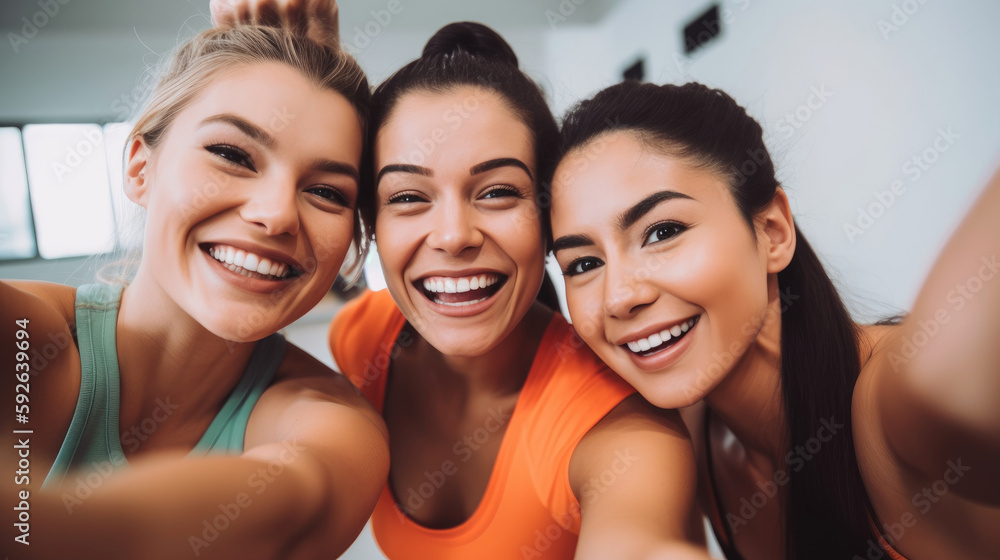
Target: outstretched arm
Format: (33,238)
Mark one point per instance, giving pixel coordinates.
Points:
(315,462)
(317,19)
(939,384)
(634,474)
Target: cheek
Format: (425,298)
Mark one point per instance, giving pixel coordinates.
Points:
(331,240)
(732,288)
(585,307)
(521,232)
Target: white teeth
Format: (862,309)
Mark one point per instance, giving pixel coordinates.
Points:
(461,303)
(251,262)
(450,285)
(656,339)
(240,261)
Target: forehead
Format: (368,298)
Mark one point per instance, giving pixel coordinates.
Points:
(281,101)
(598,180)
(452,130)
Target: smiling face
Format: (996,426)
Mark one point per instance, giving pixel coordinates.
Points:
(664,278)
(249,198)
(457,227)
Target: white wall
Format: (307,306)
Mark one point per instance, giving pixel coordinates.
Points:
(886,98)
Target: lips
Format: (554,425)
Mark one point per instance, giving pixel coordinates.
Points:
(460,291)
(251,264)
(662,339)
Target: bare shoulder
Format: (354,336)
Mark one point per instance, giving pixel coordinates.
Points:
(875,345)
(303,378)
(636,412)
(58,297)
(300,368)
(39,315)
(636,421)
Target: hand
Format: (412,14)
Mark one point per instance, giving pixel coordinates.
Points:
(316,19)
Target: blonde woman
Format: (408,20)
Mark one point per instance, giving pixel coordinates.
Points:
(174,421)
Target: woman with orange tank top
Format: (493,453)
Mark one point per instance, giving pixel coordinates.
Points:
(508,438)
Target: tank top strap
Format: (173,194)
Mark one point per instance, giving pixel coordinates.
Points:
(226,432)
(92,439)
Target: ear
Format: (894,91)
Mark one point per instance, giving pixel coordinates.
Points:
(777,232)
(136,183)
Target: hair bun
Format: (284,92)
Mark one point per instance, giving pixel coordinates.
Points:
(471,38)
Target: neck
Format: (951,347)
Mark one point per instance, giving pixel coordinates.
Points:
(163,352)
(749,400)
(502,370)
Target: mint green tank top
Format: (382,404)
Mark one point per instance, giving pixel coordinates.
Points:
(93,441)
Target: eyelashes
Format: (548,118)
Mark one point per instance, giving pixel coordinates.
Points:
(503,191)
(662,231)
(656,233)
(232,155)
(405,197)
(582,265)
(492,193)
(236,156)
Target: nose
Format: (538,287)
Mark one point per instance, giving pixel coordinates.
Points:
(627,289)
(455,228)
(273,207)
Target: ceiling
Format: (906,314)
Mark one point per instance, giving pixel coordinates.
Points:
(172,16)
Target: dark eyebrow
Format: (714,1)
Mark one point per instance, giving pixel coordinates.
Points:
(402,168)
(338,167)
(247,127)
(499,162)
(571,242)
(629,217)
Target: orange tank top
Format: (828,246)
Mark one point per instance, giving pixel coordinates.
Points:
(529,509)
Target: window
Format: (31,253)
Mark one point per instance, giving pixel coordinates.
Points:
(61,191)
(17,240)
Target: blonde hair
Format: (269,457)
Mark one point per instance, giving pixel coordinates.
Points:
(196,63)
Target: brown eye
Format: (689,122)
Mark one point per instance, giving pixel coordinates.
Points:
(582,265)
(233,155)
(329,193)
(502,191)
(405,198)
(662,232)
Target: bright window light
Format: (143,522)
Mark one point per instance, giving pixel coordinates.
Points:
(17,240)
(68,180)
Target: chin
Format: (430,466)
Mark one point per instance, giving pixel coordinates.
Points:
(239,327)
(671,390)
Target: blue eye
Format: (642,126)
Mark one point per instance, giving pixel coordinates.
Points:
(233,155)
(662,232)
(582,265)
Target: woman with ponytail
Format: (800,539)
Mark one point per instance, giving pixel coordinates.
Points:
(817,437)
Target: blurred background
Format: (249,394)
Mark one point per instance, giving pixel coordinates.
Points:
(882,115)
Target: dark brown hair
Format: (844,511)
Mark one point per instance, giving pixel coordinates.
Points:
(826,514)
